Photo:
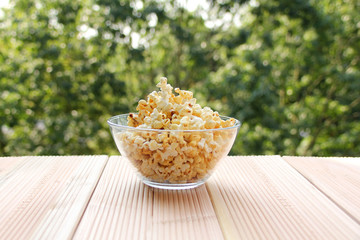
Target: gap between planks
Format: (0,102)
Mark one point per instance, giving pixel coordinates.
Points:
(224,213)
(329,187)
(270,193)
(122,207)
(50,195)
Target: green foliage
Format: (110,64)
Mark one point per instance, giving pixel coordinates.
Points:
(290,71)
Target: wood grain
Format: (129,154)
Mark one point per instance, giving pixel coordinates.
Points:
(252,197)
(9,164)
(265,198)
(338,178)
(44,197)
(124,208)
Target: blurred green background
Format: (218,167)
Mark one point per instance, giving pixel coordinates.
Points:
(289,70)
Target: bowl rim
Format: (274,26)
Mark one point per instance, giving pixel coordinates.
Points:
(112,124)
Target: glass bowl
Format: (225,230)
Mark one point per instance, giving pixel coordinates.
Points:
(172,159)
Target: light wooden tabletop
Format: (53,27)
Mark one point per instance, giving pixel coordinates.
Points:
(248,197)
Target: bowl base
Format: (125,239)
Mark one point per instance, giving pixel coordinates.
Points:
(172,186)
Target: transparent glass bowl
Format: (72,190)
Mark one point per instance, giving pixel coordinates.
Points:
(172,159)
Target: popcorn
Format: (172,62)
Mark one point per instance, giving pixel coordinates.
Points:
(175,156)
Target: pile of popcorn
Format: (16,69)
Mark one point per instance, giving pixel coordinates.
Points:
(179,156)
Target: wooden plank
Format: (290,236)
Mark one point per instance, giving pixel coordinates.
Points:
(265,198)
(338,178)
(8,165)
(124,208)
(45,197)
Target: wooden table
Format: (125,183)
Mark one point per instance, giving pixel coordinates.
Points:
(248,197)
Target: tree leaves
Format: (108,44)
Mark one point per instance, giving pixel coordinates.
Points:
(288,70)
